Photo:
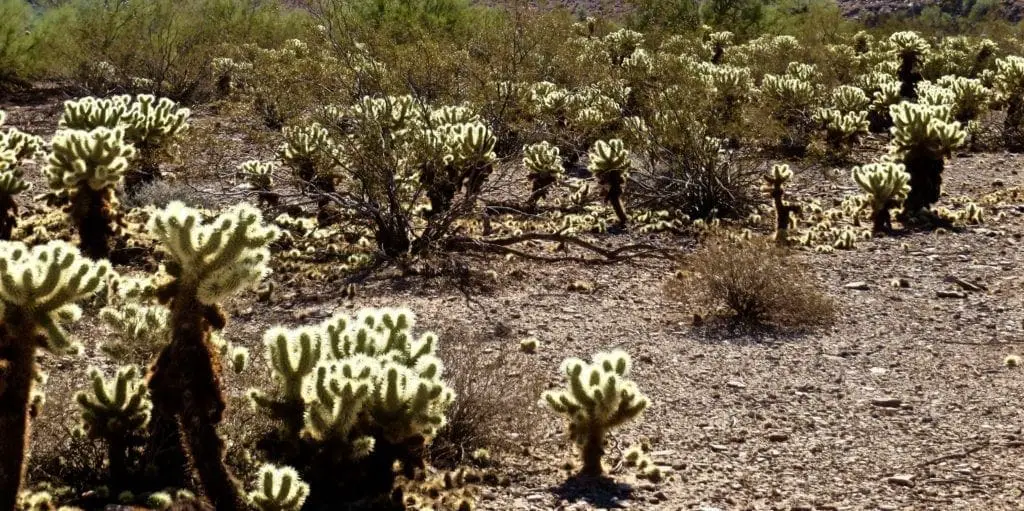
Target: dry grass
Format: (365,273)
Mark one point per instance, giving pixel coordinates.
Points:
(754,283)
(492,405)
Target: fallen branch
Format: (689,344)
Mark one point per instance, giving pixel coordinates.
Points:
(955,455)
(504,246)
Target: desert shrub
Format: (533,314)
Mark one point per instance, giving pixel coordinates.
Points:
(19,59)
(163,47)
(742,17)
(669,15)
(683,168)
(491,401)
(751,282)
(161,193)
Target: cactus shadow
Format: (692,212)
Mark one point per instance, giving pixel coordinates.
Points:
(599,491)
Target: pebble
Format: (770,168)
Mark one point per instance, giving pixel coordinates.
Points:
(887,402)
(778,437)
(859,285)
(901,480)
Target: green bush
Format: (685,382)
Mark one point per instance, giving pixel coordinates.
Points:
(18,45)
(164,47)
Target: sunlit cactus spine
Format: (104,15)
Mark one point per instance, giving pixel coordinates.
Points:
(38,288)
(886,186)
(293,356)
(923,136)
(115,411)
(610,164)
(911,48)
(278,489)
(599,398)
(260,178)
(87,166)
(153,125)
(208,261)
(784,211)
(14,147)
(1009,84)
(544,161)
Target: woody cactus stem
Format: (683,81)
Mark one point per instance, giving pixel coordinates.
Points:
(609,162)
(599,398)
(774,181)
(207,263)
(38,288)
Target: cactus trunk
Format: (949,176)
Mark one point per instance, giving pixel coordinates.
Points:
(94,219)
(17,367)
(541,184)
(925,180)
(8,216)
(185,385)
(593,451)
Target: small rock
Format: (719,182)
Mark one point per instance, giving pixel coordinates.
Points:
(859,285)
(887,402)
(950,294)
(718,447)
(906,480)
(778,436)
(878,371)
(737,384)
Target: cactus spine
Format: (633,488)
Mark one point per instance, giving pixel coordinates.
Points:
(609,162)
(886,185)
(38,288)
(87,166)
(599,398)
(15,145)
(279,489)
(117,412)
(208,262)
(784,211)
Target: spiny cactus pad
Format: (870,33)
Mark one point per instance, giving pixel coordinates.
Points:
(279,489)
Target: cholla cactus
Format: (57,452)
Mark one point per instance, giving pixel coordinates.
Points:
(847,98)
(911,49)
(784,212)
(923,136)
(152,125)
(970,98)
(364,390)
(207,262)
(117,412)
(260,178)
(886,185)
(14,146)
(1009,85)
(89,113)
(599,398)
(719,42)
(842,130)
(544,162)
(38,288)
(279,489)
(312,156)
(790,101)
(610,163)
(87,166)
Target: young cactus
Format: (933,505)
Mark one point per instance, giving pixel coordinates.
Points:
(117,412)
(279,489)
(544,162)
(152,125)
(1009,84)
(207,262)
(609,162)
(87,166)
(260,178)
(598,399)
(293,355)
(923,136)
(842,130)
(784,211)
(89,113)
(38,288)
(886,185)
(911,49)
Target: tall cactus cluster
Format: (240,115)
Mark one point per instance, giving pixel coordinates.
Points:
(923,136)
(208,261)
(610,163)
(151,125)
(599,398)
(38,290)
(355,394)
(15,146)
(86,167)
